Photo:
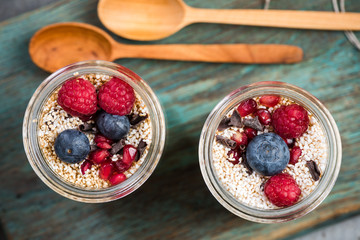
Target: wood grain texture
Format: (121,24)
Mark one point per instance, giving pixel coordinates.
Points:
(175,203)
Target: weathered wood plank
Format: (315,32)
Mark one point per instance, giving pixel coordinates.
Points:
(175,203)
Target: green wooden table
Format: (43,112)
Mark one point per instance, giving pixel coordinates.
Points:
(175,203)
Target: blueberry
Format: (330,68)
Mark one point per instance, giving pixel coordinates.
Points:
(268,154)
(72,146)
(111,126)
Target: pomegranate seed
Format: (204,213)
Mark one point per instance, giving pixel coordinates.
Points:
(264,116)
(85,166)
(106,169)
(117,178)
(246,107)
(250,133)
(129,154)
(100,139)
(295,154)
(289,141)
(269,100)
(99,155)
(240,138)
(121,166)
(103,145)
(236,154)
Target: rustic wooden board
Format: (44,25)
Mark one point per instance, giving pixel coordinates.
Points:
(175,203)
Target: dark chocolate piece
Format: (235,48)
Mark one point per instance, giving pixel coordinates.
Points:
(313,169)
(141,148)
(235,120)
(246,164)
(262,186)
(93,148)
(253,123)
(116,147)
(226,141)
(135,119)
(224,124)
(87,128)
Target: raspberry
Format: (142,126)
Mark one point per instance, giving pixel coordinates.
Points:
(246,107)
(78,98)
(290,121)
(269,100)
(116,97)
(295,154)
(282,190)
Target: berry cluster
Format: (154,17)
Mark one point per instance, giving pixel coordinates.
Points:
(270,153)
(109,109)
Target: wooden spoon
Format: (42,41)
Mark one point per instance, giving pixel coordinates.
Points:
(155,19)
(60,44)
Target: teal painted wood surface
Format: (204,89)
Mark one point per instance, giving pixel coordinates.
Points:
(175,203)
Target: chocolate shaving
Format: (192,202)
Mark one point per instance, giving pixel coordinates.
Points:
(224,124)
(262,186)
(253,123)
(226,141)
(135,119)
(116,147)
(246,164)
(88,128)
(233,121)
(141,148)
(313,169)
(93,148)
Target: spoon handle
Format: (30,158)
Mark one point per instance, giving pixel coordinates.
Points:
(277,18)
(231,53)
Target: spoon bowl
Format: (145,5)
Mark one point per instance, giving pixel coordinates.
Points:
(61,44)
(142,19)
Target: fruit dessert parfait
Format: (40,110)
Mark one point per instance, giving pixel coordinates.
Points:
(94,131)
(270,152)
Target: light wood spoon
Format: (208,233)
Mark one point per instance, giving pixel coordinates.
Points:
(156,19)
(60,44)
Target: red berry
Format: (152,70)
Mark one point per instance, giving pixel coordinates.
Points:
(103,145)
(236,154)
(78,98)
(250,133)
(129,154)
(100,138)
(121,166)
(295,154)
(117,178)
(264,116)
(106,170)
(290,121)
(282,190)
(99,155)
(85,166)
(269,100)
(247,107)
(240,138)
(116,97)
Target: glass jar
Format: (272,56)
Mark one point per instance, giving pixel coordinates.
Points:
(327,180)
(42,167)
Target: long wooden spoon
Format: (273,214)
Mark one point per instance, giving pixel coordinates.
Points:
(155,19)
(58,45)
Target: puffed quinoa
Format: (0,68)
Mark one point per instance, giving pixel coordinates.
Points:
(54,120)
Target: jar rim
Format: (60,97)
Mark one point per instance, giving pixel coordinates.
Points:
(42,168)
(270,215)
